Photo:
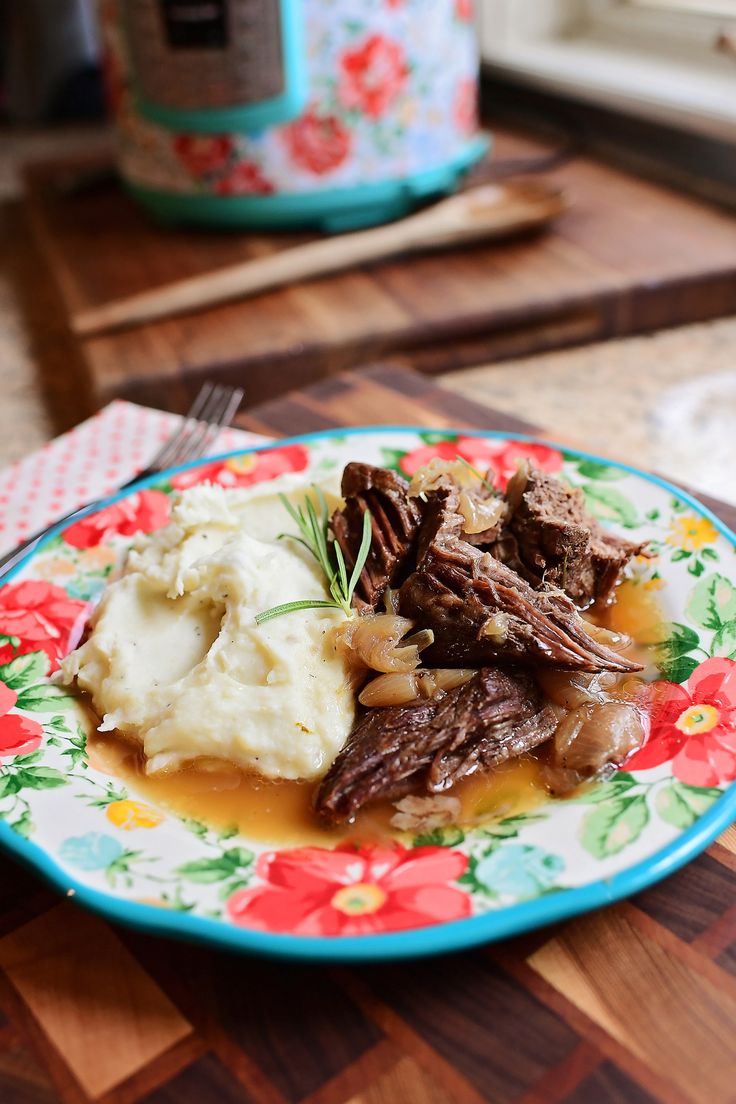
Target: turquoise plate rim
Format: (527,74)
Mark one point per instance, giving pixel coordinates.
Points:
(455,935)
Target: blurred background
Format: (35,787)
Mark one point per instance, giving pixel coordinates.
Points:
(150,141)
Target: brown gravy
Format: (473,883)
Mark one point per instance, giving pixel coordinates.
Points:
(224,797)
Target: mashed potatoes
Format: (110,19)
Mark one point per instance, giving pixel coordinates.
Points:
(176,660)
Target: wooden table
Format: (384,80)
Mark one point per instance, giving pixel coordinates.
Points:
(628,257)
(628,1005)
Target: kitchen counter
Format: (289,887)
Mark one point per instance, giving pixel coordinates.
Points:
(664,402)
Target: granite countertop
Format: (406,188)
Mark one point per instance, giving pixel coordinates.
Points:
(666,402)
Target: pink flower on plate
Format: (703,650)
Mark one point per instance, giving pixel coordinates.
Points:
(317,143)
(42,617)
(315,891)
(694,726)
(142,512)
(372,75)
(18,735)
(245,178)
(246,469)
(497,459)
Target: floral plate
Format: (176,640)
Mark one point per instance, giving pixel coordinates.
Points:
(434,889)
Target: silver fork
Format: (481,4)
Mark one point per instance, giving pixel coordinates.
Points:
(213,408)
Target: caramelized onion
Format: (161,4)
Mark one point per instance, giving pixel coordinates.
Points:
(574,688)
(480,513)
(593,736)
(616,640)
(410,686)
(391,600)
(496,626)
(517,484)
(375,641)
(435,474)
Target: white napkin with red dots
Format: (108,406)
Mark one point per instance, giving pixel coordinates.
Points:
(93,459)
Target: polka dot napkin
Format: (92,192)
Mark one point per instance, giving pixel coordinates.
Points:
(91,460)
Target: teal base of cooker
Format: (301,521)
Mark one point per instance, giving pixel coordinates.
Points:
(333,210)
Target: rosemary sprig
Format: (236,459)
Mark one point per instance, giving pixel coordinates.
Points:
(313,525)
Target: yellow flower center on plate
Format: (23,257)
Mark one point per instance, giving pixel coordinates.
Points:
(691,533)
(698,718)
(241,465)
(133,814)
(359,900)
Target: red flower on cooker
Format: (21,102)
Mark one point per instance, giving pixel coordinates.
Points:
(18,735)
(372,75)
(203,153)
(246,469)
(694,726)
(113,81)
(317,143)
(142,512)
(245,178)
(315,891)
(498,458)
(465,106)
(43,618)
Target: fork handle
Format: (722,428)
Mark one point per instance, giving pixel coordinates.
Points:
(9,562)
(18,554)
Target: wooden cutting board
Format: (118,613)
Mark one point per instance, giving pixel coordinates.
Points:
(629,256)
(629,1005)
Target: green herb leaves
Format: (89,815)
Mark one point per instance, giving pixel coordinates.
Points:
(313,525)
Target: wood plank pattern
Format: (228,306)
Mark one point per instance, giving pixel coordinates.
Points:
(655,1004)
(632,1005)
(100,1010)
(629,256)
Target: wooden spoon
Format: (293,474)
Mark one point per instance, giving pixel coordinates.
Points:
(487,211)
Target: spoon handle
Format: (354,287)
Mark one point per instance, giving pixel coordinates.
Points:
(479,214)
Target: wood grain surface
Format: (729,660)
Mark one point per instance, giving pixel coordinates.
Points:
(629,256)
(632,1004)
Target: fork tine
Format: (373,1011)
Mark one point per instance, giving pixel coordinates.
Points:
(225,401)
(228,411)
(232,406)
(192,429)
(190,446)
(160,459)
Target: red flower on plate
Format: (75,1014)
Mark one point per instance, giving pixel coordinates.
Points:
(18,735)
(465,106)
(245,178)
(498,459)
(42,617)
(203,153)
(317,143)
(315,891)
(372,75)
(506,460)
(694,726)
(246,469)
(142,512)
